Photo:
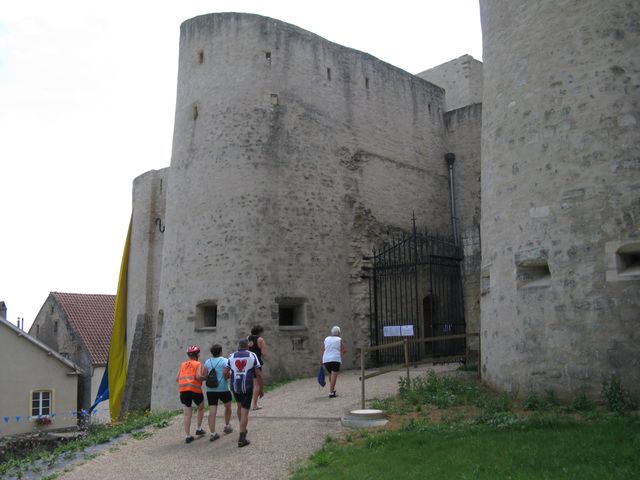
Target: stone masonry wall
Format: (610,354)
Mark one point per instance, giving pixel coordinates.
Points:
(282,142)
(461,78)
(463,127)
(561,190)
(144,316)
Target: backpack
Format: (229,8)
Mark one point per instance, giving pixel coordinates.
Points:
(212,378)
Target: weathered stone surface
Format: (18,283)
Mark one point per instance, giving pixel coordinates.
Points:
(561,91)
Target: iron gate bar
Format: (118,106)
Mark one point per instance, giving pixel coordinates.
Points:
(399,275)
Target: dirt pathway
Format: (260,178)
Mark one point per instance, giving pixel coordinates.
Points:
(293,423)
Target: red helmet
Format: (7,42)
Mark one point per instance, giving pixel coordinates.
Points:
(193,349)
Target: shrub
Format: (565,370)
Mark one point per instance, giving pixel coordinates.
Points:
(581,403)
(618,398)
(532,402)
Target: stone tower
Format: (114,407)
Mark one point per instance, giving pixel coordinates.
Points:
(291,157)
(560,194)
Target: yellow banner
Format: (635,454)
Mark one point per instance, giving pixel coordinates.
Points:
(117,369)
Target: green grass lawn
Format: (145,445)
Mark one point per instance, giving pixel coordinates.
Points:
(499,440)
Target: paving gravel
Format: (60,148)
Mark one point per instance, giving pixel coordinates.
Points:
(294,421)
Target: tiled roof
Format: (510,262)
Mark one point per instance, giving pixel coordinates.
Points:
(91,316)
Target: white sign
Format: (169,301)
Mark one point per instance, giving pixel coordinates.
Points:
(398,331)
(406,330)
(392,331)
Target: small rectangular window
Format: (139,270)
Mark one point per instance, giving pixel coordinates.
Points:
(328,74)
(55,327)
(366,83)
(291,312)
(201,56)
(207,315)
(267,57)
(41,403)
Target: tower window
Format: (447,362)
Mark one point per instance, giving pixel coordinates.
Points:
(628,259)
(530,276)
(291,312)
(207,315)
(328,73)
(267,57)
(201,56)
(366,82)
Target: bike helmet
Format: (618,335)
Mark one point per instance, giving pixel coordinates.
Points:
(193,349)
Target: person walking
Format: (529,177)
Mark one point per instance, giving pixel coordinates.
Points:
(332,350)
(258,346)
(217,365)
(244,366)
(189,380)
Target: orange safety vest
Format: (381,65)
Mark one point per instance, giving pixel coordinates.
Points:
(187,381)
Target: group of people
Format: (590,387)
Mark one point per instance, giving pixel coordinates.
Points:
(238,376)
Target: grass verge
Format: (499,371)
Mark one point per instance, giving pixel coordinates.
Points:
(445,428)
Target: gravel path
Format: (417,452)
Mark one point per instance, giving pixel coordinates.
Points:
(293,423)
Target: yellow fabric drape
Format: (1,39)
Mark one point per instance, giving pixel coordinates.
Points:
(117,368)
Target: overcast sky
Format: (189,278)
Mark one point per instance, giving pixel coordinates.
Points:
(87,99)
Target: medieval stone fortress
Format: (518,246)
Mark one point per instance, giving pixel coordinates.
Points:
(293,158)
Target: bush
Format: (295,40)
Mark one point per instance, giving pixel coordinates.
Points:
(618,398)
(582,404)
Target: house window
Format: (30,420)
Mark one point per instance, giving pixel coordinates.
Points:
(291,312)
(55,327)
(207,315)
(41,403)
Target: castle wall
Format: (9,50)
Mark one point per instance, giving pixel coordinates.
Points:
(463,129)
(560,206)
(144,315)
(290,154)
(461,78)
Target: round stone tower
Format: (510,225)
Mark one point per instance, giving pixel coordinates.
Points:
(288,149)
(560,194)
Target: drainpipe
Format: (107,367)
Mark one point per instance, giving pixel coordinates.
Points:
(450,158)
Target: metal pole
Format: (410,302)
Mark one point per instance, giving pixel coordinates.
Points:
(362,375)
(450,158)
(406,358)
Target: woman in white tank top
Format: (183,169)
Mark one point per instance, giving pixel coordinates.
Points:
(332,350)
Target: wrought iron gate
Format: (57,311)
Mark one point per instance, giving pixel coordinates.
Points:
(417,281)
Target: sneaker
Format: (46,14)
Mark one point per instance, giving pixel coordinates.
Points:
(200,431)
(227,429)
(189,439)
(214,437)
(243,442)
(333,394)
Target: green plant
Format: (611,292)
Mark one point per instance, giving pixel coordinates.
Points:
(532,402)
(550,398)
(618,398)
(443,392)
(582,403)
